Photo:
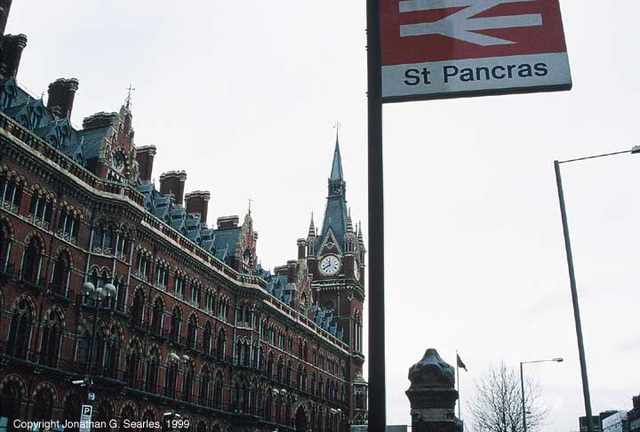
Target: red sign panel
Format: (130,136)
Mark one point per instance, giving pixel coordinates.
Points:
(443,48)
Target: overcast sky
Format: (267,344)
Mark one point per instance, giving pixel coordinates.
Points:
(243,96)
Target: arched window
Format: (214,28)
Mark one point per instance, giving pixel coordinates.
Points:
(43,405)
(137,309)
(206,338)
(220,345)
(192,331)
(133,364)
(20,331)
(280,370)
(176,316)
(111,359)
(158,316)
(289,373)
(5,248)
(205,384)
(171,379)
(32,262)
(217,390)
(10,193)
(187,383)
(51,340)
(151,374)
(270,369)
(61,274)
(10,401)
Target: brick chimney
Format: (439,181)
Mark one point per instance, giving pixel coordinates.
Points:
(144,156)
(172,182)
(198,202)
(62,92)
(11,53)
(5,7)
(302,249)
(225,222)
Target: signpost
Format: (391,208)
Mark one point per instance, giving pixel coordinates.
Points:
(446,48)
(429,49)
(85,418)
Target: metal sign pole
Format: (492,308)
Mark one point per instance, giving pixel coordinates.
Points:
(376,360)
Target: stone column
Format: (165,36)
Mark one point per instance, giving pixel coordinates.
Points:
(433,395)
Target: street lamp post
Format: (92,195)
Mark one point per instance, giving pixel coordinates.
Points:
(98,294)
(572,277)
(524,408)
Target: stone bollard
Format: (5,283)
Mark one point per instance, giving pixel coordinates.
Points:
(433,395)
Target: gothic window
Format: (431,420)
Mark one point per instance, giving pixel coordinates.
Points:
(5,247)
(289,373)
(32,261)
(223,309)
(133,364)
(137,309)
(158,316)
(10,401)
(206,338)
(300,379)
(280,370)
(357,333)
(43,405)
(192,332)
(220,345)
(10,193)
(270,369)
(217,390)
(178,286)
(61,274)
(162,275)
(176,317)
(143,265)
(40,210)
(111,360)
(51,340)
(20,330)
(187,383)
(205,383)
(171,379)
(151,374)
(68,225)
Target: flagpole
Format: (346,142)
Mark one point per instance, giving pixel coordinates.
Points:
(458,378)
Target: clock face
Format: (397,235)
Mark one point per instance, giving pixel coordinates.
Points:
(118,161)
(329,265)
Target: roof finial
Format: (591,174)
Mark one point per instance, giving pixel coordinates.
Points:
(250,201)
(312,228)
(337,125)
(128,100)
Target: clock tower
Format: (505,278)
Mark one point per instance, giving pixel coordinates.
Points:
(335,259)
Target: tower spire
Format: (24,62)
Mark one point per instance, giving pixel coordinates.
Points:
(349,222)
(312,228)
(336,167)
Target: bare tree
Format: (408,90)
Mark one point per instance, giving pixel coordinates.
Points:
(497,405)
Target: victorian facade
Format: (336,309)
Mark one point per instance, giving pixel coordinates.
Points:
(195,327)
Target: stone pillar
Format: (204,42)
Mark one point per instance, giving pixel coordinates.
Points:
(433,395)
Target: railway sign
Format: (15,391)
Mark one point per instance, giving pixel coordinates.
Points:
(446,48)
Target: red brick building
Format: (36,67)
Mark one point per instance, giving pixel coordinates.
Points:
(258,350)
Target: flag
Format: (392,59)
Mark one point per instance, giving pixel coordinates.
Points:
(460,364)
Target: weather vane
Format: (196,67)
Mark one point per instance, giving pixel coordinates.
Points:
(129,91)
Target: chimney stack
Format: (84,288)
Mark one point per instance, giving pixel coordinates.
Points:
(172,182)
(62,92)
(5,7)
(198,202)
(10,54)
(302,249)
(636,402)
(225,222)
(144,156)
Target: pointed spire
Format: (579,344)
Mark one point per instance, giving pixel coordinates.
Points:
(312,228)
(360,239)
(336,167)
(349,223)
